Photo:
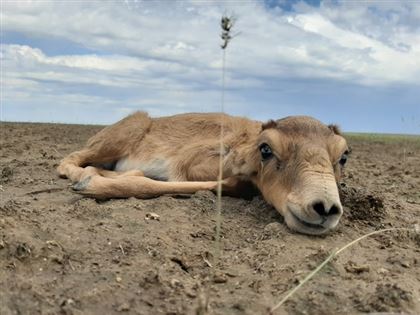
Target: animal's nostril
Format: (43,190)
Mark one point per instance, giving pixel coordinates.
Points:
(319,208)
(334,210)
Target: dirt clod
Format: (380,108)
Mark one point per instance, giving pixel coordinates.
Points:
(220,278)
(124,307)
(363,205)
(273,230)
(152,216)
(6,174)
(22,251)
(352,267)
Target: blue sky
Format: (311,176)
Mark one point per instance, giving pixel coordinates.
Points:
(355,63)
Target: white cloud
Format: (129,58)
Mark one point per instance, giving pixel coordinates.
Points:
(312,42)
(373,60)
(165,56)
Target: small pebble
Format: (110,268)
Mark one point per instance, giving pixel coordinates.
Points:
(382,271)
(405,264)
(152,216)
(354,268)
(190,293)
(124,307)
(68,302)
(220,279)
(232,273)
(175,283)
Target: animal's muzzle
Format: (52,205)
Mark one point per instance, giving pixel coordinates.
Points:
(315,208)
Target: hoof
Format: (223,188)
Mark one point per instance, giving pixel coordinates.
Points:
(61,170)
(82,185)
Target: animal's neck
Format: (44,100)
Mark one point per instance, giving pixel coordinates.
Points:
(242,159)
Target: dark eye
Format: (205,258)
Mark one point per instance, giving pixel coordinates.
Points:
(343,159)
(266,152)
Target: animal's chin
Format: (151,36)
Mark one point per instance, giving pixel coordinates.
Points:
(301,226)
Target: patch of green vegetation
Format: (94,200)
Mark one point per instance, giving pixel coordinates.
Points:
(384,138)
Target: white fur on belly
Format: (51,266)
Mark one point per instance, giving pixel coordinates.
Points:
(156,169)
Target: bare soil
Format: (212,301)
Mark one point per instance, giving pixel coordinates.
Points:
(63,254)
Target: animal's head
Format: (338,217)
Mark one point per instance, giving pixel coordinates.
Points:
(301,162)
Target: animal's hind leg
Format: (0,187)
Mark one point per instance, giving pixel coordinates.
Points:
(71,166)
(108,145)
(136,186)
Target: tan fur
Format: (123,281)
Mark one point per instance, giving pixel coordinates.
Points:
(183,150)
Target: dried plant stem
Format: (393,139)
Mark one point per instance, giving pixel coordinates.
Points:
(220,175)
(328,259)
(59,153)
(226,24)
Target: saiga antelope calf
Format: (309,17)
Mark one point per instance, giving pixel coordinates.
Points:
(295,162)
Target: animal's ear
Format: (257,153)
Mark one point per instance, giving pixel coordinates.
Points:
(336,129)
(269,124)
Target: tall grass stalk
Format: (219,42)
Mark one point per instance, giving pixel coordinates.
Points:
(226,24)
(220,175)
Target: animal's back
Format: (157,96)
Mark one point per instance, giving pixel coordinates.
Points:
(199,125)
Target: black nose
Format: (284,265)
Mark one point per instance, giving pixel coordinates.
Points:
(319,208)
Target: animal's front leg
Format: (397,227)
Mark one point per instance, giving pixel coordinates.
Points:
(136,186)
